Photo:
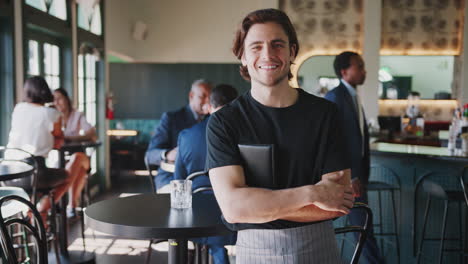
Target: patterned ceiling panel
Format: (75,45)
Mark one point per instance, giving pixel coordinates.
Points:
(422,27)
(326,27)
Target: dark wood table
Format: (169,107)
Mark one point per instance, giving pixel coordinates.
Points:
(72,147)
(13,169)
(148,216)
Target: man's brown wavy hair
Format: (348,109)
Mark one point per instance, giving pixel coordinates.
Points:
(263,16)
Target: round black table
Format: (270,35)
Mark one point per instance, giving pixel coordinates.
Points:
(80,145)
(148,216)
(12,169)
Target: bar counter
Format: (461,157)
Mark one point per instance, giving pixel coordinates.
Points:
(410,163)
(418,151)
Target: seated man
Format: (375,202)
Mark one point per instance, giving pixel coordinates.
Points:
(191,158)
(163,144)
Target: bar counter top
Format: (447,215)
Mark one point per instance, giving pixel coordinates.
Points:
(405,150)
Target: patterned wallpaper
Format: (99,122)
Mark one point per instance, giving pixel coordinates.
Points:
(422,27)
(326,27)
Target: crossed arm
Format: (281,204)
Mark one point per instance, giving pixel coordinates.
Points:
(329,198)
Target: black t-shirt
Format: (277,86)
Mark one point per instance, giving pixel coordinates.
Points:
(307,138)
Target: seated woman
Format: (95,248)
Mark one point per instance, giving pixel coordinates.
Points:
(74,124)
(75,127)
(37,129)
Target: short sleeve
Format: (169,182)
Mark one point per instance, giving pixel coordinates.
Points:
(222,149)
(52,116)
(336,157)
(84,123)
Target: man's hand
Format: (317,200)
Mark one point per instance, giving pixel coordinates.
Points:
(357,187)
(333,196)
(171,155)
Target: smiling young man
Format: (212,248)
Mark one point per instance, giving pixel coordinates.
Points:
(289,223)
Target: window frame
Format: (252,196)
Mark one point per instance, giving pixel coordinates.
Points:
(85,36)
(41,40)
(43,18)
(44,27)
(85,79)
(36,19)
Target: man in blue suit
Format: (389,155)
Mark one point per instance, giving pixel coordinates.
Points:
(191,158)
(163,144)
(349,67)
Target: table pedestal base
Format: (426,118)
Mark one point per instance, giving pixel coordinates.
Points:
(74,257)
(177,251)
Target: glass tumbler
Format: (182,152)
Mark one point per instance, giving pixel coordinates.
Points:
(181,194)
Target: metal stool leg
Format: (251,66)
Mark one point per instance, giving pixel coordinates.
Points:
(82,202)
(346,222)
(395,225)
(460,241)
(53,226)
(426,213)
(444,225)
(204,254)
(197,255)
(381,224)
(148,254)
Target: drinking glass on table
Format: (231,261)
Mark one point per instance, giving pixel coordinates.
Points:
(181,194)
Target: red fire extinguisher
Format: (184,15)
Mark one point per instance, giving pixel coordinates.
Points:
(109,106)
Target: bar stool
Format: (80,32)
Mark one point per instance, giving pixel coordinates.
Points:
(383,179)
(464,185)
(446,188)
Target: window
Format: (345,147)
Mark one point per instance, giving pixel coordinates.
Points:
(87,102)
(33,60)
(56,8)
(89,18)
(44,60)
(87,86)
(52,65)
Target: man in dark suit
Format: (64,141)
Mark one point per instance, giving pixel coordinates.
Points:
(163,144)
(191,157)
(349,67)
